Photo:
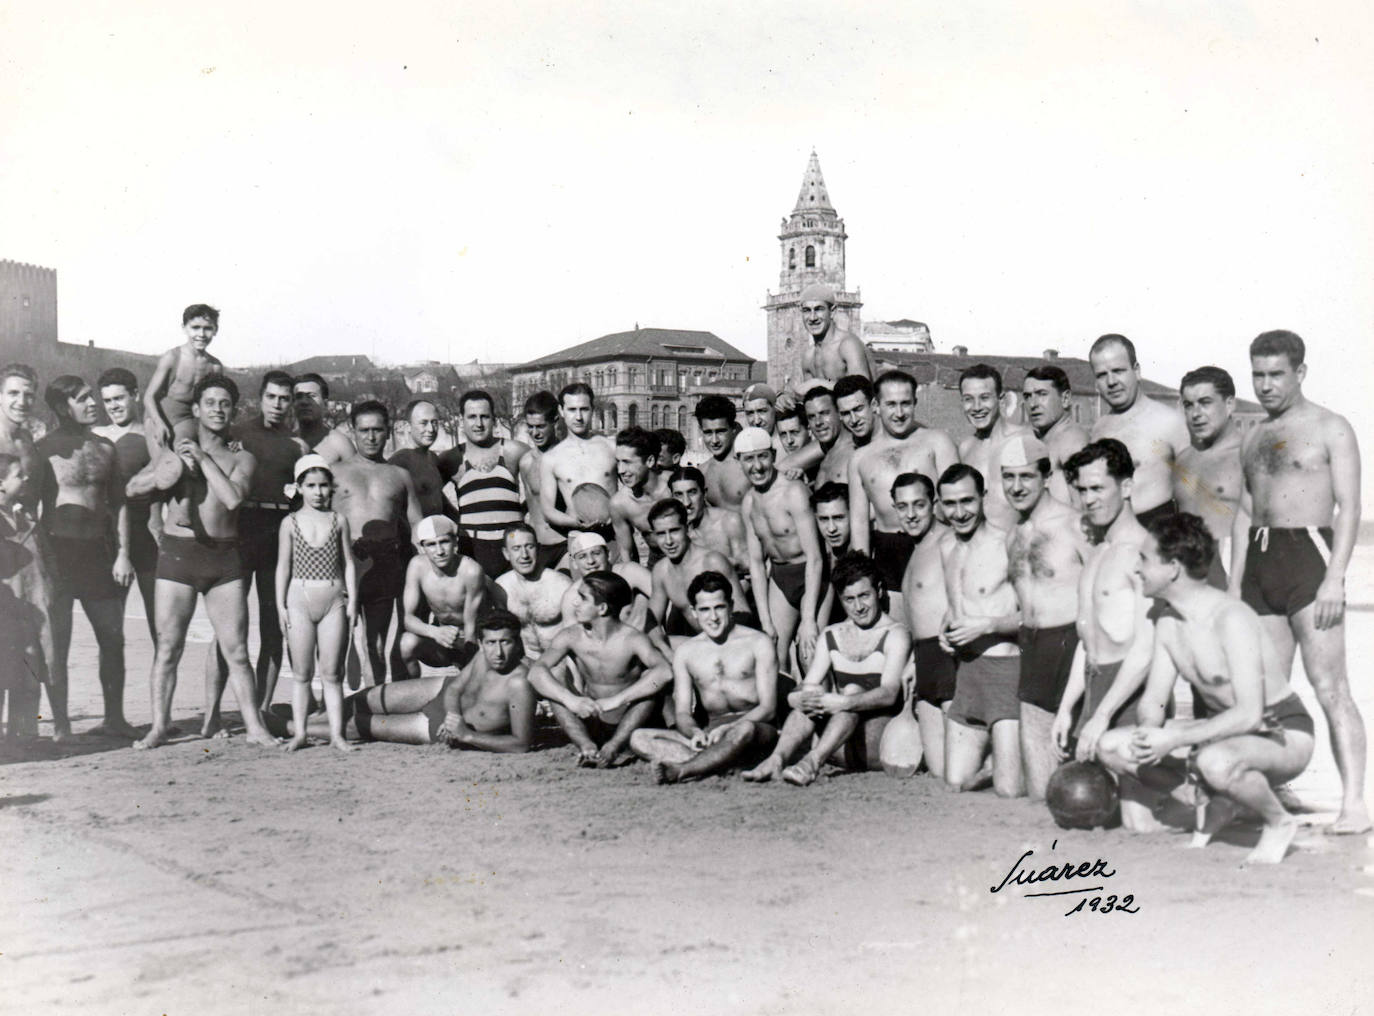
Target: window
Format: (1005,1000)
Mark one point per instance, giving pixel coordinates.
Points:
(792,257)
(632,415)
(810,256)
(653,416)
(682,420)
(712,376)
(611,416)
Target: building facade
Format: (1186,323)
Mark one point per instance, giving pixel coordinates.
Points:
(650,377)
(811,243)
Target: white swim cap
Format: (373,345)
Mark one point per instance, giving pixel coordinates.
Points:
(432,527)
(818,291)
(580,540)
(1024,450)
(308,462)
(752,439)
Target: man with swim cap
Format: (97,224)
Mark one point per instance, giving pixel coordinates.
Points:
(1258,734)
(833,352)
(589,552)
(1046,550)
(760,407)
(1154,433)
(1292,545)
(787,566)
(980,631)
(444,593)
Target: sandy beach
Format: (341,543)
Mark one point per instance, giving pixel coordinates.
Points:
(215,877)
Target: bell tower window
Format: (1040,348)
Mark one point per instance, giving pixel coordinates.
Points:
(810,256)
(792,258)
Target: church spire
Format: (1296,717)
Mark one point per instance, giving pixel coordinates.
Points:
(813,196)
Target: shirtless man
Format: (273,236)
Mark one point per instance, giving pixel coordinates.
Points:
(1047,397)
(829,453)
(1258,734)
(720,529)
(1047,549)
(86,526)
(1292,544)
(980,631)
(420,461)
(682,561)
(925,600)
(379,502)
(833,352)
(199,556)
(541,431)
(760,407)
(309,394)
(789,431)
(271,443)
(853,686)
(533,592)
(18,387)
(1153,432)
(443,595)
(1208,480)
(787,566)
(1114,625)
(855,402)
(167,402)
(641,487)
(732,672)
(588,553)
(726,483)
(985,405)
(581,457)
(486,706)
(612,658)
(118,390)
(831,505)
(903,446)
(485,493)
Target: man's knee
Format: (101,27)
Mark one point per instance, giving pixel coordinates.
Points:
(1219,765)
(409,645)
(1113,750)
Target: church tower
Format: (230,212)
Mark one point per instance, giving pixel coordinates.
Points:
(812,241)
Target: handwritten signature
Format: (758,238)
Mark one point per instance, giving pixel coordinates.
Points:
(1024,873)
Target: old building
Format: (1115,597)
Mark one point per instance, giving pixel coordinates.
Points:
(652,377)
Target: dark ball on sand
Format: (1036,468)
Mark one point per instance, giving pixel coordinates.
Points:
(1081,795)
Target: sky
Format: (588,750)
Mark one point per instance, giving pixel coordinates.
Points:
(496,181)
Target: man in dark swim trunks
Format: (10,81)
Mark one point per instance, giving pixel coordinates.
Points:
(1258,734)
(1292,542)
(200,557)
(852,688)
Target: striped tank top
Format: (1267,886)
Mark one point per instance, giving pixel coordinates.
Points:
(310,563)
(487,501)
(866,673)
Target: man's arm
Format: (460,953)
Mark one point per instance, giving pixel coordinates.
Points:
(855,356)
(414,513)
(548,496)
(807,631)
(1134,669)
(157,387)
(658,599)
(860,521)
(945,452)
(230,490)
(114,496)
(1159,686)
(804,458)
(654,678)
(474,600)
(716,561)
(412,597)
(547,686)
(682,698)
(1344,452)
(620,523)
(520,706)
(739,543)
(758,574)
(1240,535)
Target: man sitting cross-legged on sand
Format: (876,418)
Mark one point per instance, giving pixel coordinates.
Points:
(612,657)
(1258,734)
(852,688)
(734,674)
(486,706)
(448,588)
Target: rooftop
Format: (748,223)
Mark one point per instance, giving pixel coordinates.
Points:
(646,343)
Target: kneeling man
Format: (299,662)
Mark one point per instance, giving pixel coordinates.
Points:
(853,686)
(733,673)
(1258,734)
(612,657)
(486,706)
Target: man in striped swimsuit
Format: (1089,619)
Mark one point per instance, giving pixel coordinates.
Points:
(485,492)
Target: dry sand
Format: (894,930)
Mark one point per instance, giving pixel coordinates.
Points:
(215,877)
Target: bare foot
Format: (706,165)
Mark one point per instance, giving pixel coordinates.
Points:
(769,769)
(342,744)
(264,739)
(61,735)
(211,727)
(153,739)
(1273,842)
(296,743)
(587,758)
(803,774)
(113,728)
(664,772)
(1350,822)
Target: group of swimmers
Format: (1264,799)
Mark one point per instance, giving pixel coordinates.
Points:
(1028,594)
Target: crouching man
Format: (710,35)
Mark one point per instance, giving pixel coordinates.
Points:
(733,672)
(486,706)
(1258,734)
(612,657)
(852,688)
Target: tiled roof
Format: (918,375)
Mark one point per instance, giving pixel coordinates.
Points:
(332,364)
(644,342)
